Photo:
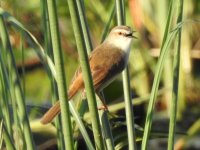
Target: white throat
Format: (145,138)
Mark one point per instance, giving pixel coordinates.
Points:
(122,43)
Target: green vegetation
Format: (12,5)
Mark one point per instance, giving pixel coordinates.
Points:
(154,105)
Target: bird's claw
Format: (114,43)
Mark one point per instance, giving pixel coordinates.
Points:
(103,107)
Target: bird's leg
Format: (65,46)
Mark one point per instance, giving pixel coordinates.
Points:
(83,94)
(101,97)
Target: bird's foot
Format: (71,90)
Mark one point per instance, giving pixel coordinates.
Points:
(83,94)
(103,107)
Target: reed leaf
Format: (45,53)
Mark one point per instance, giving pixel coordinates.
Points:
(176,67)
(60,73)
(20,99)
(120,11)
(156,82)
(86,74)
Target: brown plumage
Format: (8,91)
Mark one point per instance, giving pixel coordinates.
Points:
(103,72)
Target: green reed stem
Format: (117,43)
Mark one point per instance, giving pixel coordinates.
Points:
(107,26)
(49,51)
(154,91)
(84,26)
(60,73)
(176,66)
(109,141)
(8,140)
(169,21)
(120,10)
(81,127)
(105,124)
(86,74)
(20,99)
(103,114)
(5,95)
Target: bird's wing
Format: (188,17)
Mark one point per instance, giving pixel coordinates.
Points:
(98,72)
(76,83)
(51,113)
(76,74)
(98,75)
(99,69)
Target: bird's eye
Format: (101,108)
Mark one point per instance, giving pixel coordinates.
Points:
(120,33)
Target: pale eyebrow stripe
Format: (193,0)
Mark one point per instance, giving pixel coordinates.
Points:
(121,30)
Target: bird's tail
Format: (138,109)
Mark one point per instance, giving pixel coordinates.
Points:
(51,113)
(55,109)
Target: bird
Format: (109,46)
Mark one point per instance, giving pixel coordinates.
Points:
(106,61)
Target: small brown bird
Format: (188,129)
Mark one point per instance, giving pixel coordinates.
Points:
(106,61)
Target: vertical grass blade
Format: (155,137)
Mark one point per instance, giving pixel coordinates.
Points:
(120,11)
(1,134)
(84,26)
(105,124)
(5,94)
(49,51)
(86,74)
(129,110)
(20,99)
(166,40)
(169,21)
(61,81)
(6,136)
(81,127)
(154,91)
(107,26)
(103,114)
(106,130)
(176,66)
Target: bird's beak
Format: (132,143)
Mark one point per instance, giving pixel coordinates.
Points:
(131,35)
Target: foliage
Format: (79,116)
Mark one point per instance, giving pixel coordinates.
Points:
(28,78)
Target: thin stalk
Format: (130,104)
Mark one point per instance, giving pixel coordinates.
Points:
(107,130)
(1,134)
(20,99)
(166,41)
(109,141)
(54,91)
(107,26)
(126,85)
(105,124)
(86,74)
(5,95)
(103,114)
(129,110)
(169,21)
(8,140)
(120,12)
(176,67)
(81,127)
(21,47)
(167,71)
(159,67)
(84,26)
(61,81)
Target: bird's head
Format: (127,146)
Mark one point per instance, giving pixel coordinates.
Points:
(121,37)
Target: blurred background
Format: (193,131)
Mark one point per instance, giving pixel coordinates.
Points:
(148,19)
